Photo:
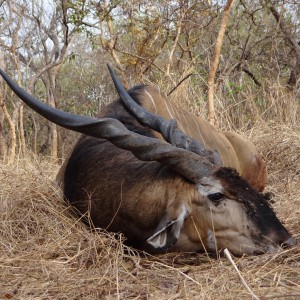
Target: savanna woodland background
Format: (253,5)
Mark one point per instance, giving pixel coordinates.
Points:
(58,50)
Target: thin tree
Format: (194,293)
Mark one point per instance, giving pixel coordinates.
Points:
(293,42)
(215,64)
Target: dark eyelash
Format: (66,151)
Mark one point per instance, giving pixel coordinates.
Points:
(216,197)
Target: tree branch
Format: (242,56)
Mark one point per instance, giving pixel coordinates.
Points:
(295,72)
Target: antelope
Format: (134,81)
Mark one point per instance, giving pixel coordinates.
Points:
(166,179)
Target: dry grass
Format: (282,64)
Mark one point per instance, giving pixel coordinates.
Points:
(46,253)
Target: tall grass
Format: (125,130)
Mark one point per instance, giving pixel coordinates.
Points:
(241,105)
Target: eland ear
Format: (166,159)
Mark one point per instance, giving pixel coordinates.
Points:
(168,229)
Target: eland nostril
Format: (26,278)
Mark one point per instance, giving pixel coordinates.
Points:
(289,242)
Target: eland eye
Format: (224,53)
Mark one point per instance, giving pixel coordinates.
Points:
(216,197)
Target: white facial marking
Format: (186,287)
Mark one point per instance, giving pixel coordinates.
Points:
(208,186)
(159,238)
(176,229)
(211,241)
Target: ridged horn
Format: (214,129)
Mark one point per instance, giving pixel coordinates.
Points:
(168,128)
(188,164)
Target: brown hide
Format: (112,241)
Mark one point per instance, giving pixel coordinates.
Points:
(113,186)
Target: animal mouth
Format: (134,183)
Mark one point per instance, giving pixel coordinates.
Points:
(249,250)
(253,252)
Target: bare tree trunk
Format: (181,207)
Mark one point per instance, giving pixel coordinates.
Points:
(54,142)
(179,28)
(35,134)
(3,145)
(295,72)
(17,116)
(51,86)
(15,120)
(54,134)
(110,45)
(215,64)
(22,144)
(12,132)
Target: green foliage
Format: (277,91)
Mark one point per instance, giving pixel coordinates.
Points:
(77,11)
(234,88)
(71,57)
